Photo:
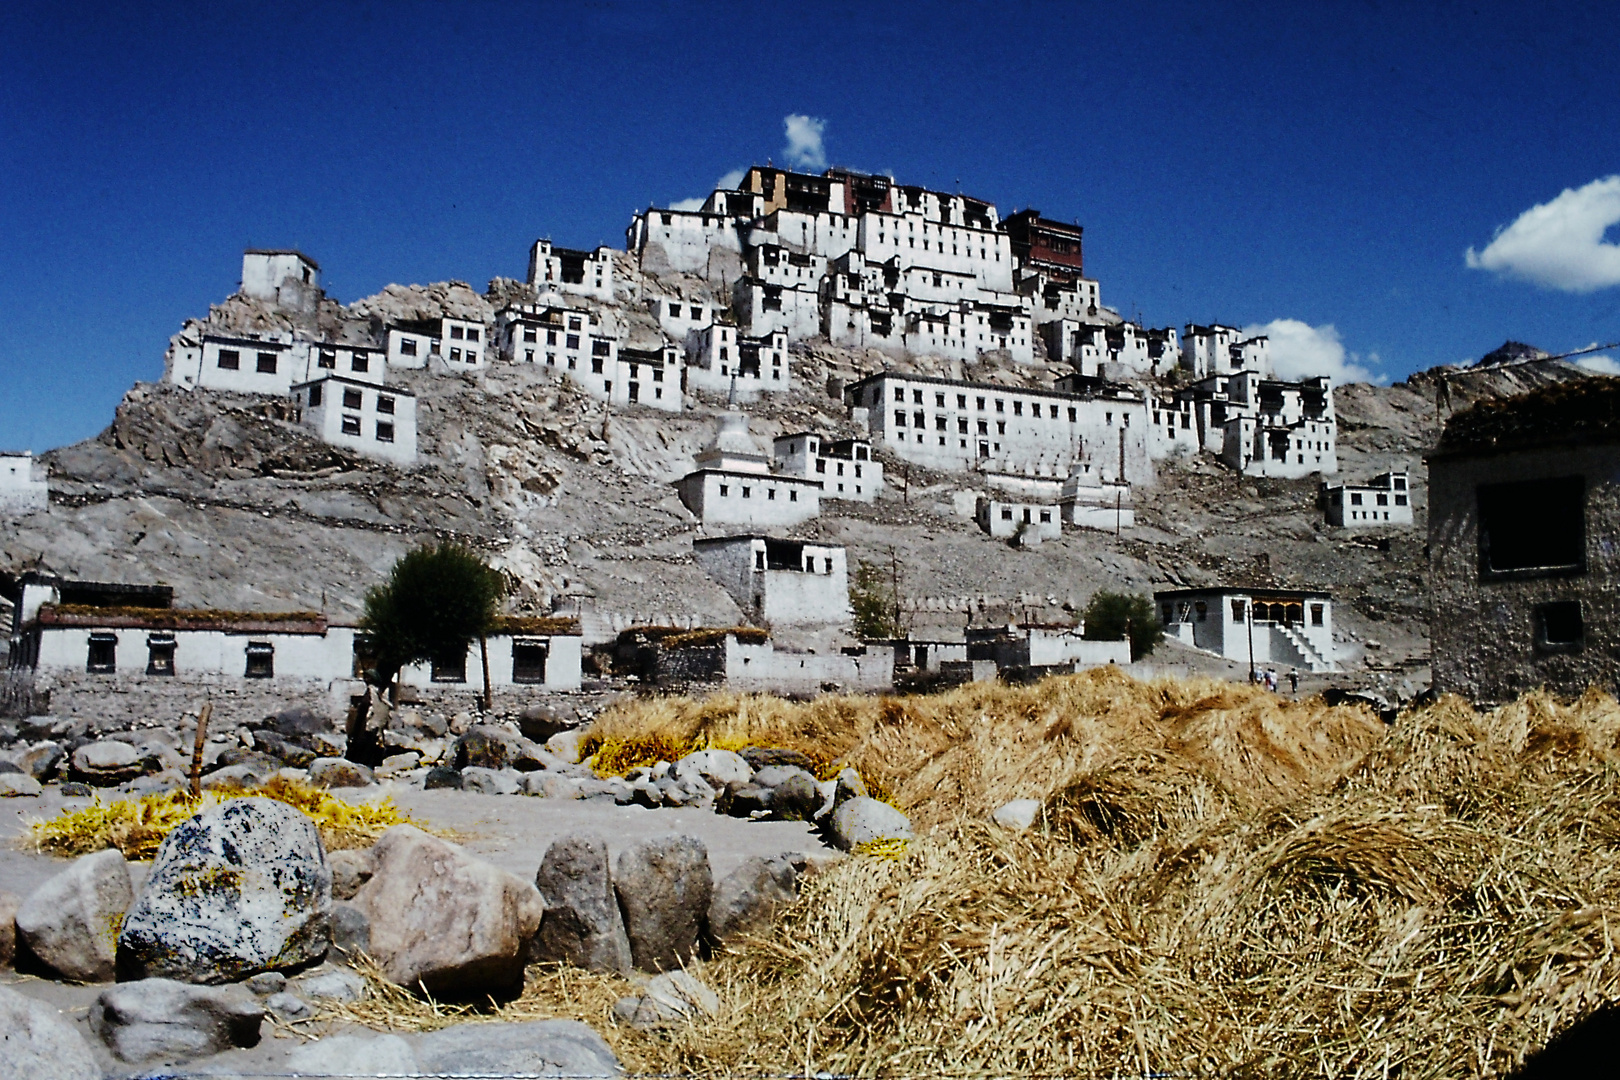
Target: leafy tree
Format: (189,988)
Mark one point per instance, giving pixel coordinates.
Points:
(874,597)
(1114,616)
(437,600)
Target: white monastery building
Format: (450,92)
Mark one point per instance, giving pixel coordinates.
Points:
(845,468)
(375,421)
(24,485)
(580,273)
(1267,626)
(1383,500)
(461,344)
(779,582)
(733,484)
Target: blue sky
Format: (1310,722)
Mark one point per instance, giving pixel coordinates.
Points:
(1327,164)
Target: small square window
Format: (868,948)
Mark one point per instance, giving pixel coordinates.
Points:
(361,362)
(103,656)
(407,346)
(267,363)
(328,359)
(455,333)
(472,334)
(351,425)
(160,654)
(529,662)
(261,660)
(385,405)
(450,669)
(385,432)
(351,399)
(230,359)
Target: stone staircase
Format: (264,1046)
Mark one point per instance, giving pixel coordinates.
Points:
(1308,657)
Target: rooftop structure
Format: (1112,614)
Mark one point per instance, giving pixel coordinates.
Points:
(1290,627)
(289,279)
(1386,499)
(24,484)
(733,483)
(581,273)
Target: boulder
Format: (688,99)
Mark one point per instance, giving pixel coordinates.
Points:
(163,1018)
(105,763)
(262,765)
(667,998)
(238,889)
(487,746)
(746,899)
(540,722)
(537,1048)
(71,922)
(850,786)
(284,750)
(747,800)
(40,760)
(439,777)
(664,886)
(15,784)
(718,767)
(582,925)
(760,757)
(266,983)
(566,745)
(532,758)
(796,798)
(775,775)
(547,785)
(297,723)
(70,789)
(1017,815)
(490,781)
(38,1043)
(285,1006)
(394,764)
(354,1055)
(327,744)
(863,820)
(7,765)
(351,930)
(444,920)
(158,783)
(232,778)
(9,903)
(334,772)
(350,870)
(339,984)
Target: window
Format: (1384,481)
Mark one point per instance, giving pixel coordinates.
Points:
(770,494)
(793,496)
(328,359)
(450,668)
(1201,611)
(759,560)
(103,658)
(1006,513)
(385,432)
(407,346)
(748,492)
(1383,500)
(351,425)
(1317,613)
(1240,610)
(472,334)
(267,363)
(385,405)
(230,359)
(916,397)
(261,660)
(455,332)
(599,347)
(351,399)
(1559,625)
(160,654)
(1001,406)
(1532,528)
(1046,517)
(530,334)
(961,401)
(455,354)
(1018,408)
(1400,500)
(1355,498)
(725,489)
(573,341)
(361,362)
(821,465)
(596,365)
(528,661)
(314,395)
(899,418)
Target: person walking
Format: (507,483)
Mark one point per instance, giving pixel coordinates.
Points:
(1293,680)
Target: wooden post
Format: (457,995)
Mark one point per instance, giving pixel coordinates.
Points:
(197,751)
(483,653)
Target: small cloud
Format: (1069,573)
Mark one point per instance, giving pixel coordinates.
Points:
(804,147)
(1599,364)
(1559,244)
(694,203)
(727,182)
(1300,350)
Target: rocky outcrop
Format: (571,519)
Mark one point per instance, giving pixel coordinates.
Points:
(71,922)
(445,921)
(236,890)
(664,887)
(155,1018)
(582,924)
(38,1042)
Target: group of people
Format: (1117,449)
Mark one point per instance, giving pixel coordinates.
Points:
(1268,679)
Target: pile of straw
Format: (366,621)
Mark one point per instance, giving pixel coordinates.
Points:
(1221,881)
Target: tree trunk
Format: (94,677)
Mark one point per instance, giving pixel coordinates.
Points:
(483,655)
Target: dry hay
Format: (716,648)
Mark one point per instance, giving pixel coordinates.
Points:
(137,826)
(1221,882)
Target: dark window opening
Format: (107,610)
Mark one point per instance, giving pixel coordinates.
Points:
(267,363)
(351,425)
(1531,528)
(1559,625)
(450,668)
(261,660)
(315,395)
(407,347)
(103,658)
(385,405)
(160,654)
(528,662)
(230,359)
(1317,612)
(351,399)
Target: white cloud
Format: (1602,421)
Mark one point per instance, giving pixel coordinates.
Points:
(1559,244)
(1600,363)
(1300,350)
(727,182)
(804,147)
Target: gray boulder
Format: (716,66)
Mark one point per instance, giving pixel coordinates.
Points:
(9,903)
(582,925)
(354,1055)
(266,983)
(334,772)
(106,763)
(40,760)
(15,784)
(1017,815)
(163,1018)
(296,724)
(285,1006)
(668,998)
(863,820)
(440,777)
(531,757)
(71,922)
(796,798)
(664,886)
(238,889)
(351,930)
(718,767)
(351,869)
(747,800)
(746,899)
(537,1048)
(232,778)
(540,722)
(283,750)
(487,781)
(339,984)
(157,783)
(548,785)
(775,775)
(446,921)
(488,747)
(764,757)
(38,1043)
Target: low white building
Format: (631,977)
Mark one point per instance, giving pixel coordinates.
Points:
(1087,503)
(1004,519)
(375,421)
(271,363)
(733,484)
(1288,627)
(289,279)
(845,468)
(779,582)
(1383,500)
(677,316)
(1043,645)
(1117,351)
(579,273)
(723,360)
(701,242)
(24,485)
(1223,350)
(462,344)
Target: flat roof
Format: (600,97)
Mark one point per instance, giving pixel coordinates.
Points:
(389,390)
(256,342)
(1584,410)
(1122,393)
(1224,590)
(732,537)
(282,251)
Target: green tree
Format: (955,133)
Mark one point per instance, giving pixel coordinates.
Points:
(1114,616)
(437,600)
(874,597)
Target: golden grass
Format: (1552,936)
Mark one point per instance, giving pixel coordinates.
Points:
(137,826)
(1221,882)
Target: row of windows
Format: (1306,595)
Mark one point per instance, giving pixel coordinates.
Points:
(821,466)
(809,563)
(1007,515)
(471,333)
(231,360)
(528,659)
(351,426)
(748,493)
(353,399)
(1383,499)
(1287,614)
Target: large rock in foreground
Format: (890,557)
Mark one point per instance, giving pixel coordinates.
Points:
(445,921)
(162,1018)
(582,925)
(237,890)
(37,1042)
(664,886)
(71,922)
(864,820)
(538,1048)
(747,898)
